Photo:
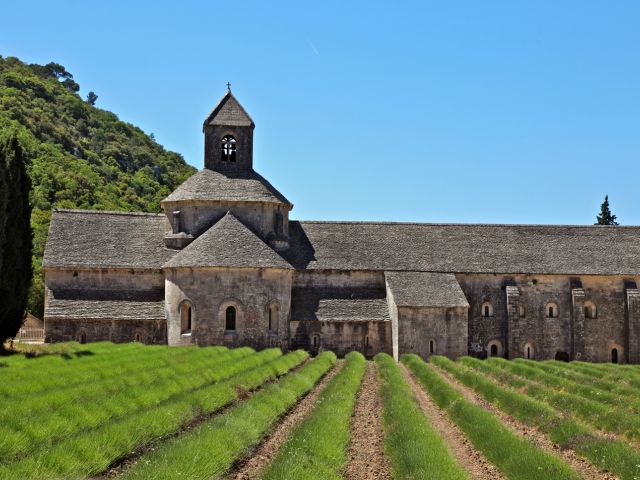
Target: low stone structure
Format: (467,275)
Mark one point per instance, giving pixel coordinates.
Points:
(224,265)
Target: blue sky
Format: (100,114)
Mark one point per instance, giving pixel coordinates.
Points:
(436,111)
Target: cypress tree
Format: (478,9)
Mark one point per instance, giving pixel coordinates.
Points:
(16,272)
(3,203)
(606,217)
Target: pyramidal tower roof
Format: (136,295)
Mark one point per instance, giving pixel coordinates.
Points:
(229,112)
(228,243)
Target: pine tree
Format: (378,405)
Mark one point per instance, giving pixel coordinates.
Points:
(16,273)
(606,217)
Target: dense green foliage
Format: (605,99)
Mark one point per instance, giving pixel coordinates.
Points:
(514,455)
(416,451)
(317,447)
(78,156)
(608,453)
(15,239)
(606,217)
(210,450)
(146,394)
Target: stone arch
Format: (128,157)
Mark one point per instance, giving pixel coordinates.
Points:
(616,353)
(224,311)
(528,350)
(82,336)
(137,337)
(562,356)
(590,309)
(494,348)
(551,310)
(432,346)
(486,310)
(187,317)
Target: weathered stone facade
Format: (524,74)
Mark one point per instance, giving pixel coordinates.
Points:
(224,265)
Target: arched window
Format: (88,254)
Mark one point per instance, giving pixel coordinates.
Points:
(273,317)
(228,149)
(315,341)
(82,337)
(230,318)
(137,337)
(528,351)
(614,355)
(487,309)
(432,346)
(551,310)
(590,310)
(366,341)
(494,348)
(186,318)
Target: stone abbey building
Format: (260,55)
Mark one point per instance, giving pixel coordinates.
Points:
(225,265)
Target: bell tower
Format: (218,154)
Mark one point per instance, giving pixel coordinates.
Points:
(228,137)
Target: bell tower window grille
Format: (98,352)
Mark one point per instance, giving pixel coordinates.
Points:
(228,149)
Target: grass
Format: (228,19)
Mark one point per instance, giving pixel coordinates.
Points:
(415,449)
(42,419)
(600,389)
(512,454)
(91,451)
(606,453)
(210,450)
(317,447)
(532,382)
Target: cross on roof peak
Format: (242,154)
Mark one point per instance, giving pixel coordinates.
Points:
(228,87)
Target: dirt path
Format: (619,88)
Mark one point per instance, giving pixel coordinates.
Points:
(367,460)
(252,465)
(467,456)
(579,464)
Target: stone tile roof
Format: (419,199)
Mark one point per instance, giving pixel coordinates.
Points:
(463,248)
(90,238)
(339,304)
(208,185)
(425,289)
(70,304)
(228,243)
(228,111)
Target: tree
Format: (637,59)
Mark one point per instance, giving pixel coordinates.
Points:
(16,272)
(56,70)
(71,85)
(91,98)
(606,217)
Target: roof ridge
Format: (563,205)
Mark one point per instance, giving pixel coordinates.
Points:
(438,224)
(107,212)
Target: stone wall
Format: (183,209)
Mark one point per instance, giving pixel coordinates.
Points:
(211,290)
(99,330)
(521,319)
(419,326)
(198,216)
(368,338)
(127,280)
(342,337)
(83,284)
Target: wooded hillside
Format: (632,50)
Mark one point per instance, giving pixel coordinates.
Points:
(78,156)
